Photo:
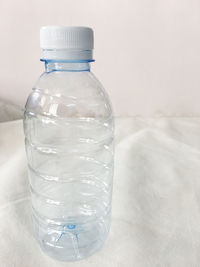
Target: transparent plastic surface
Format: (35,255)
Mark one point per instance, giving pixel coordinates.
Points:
(68,126)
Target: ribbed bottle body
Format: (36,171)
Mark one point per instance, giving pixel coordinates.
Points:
(68,126)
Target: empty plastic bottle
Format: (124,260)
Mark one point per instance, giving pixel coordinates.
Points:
(68,126)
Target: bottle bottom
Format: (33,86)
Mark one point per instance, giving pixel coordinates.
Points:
(72,240)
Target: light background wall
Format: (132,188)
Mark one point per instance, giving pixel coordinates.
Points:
(147,52)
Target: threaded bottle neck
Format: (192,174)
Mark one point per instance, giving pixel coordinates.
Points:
(64,65)
(67,54)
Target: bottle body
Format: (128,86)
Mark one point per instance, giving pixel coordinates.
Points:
(68,126)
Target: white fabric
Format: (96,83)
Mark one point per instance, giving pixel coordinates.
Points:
(9,111)
(156,198)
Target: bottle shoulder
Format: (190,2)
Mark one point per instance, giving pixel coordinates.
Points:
(66,82)
(71,94)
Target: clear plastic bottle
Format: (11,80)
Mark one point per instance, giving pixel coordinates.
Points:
(68,125)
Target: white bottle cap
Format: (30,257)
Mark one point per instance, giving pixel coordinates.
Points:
(66,43)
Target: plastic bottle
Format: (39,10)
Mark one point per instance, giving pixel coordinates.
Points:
(68,126)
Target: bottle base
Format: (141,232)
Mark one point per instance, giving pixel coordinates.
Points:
(69,253)
(75,241)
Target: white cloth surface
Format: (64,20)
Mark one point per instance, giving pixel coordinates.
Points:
(156,198)
(9,111)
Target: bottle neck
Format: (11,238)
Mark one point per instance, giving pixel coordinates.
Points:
(78,66)
(67,59)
